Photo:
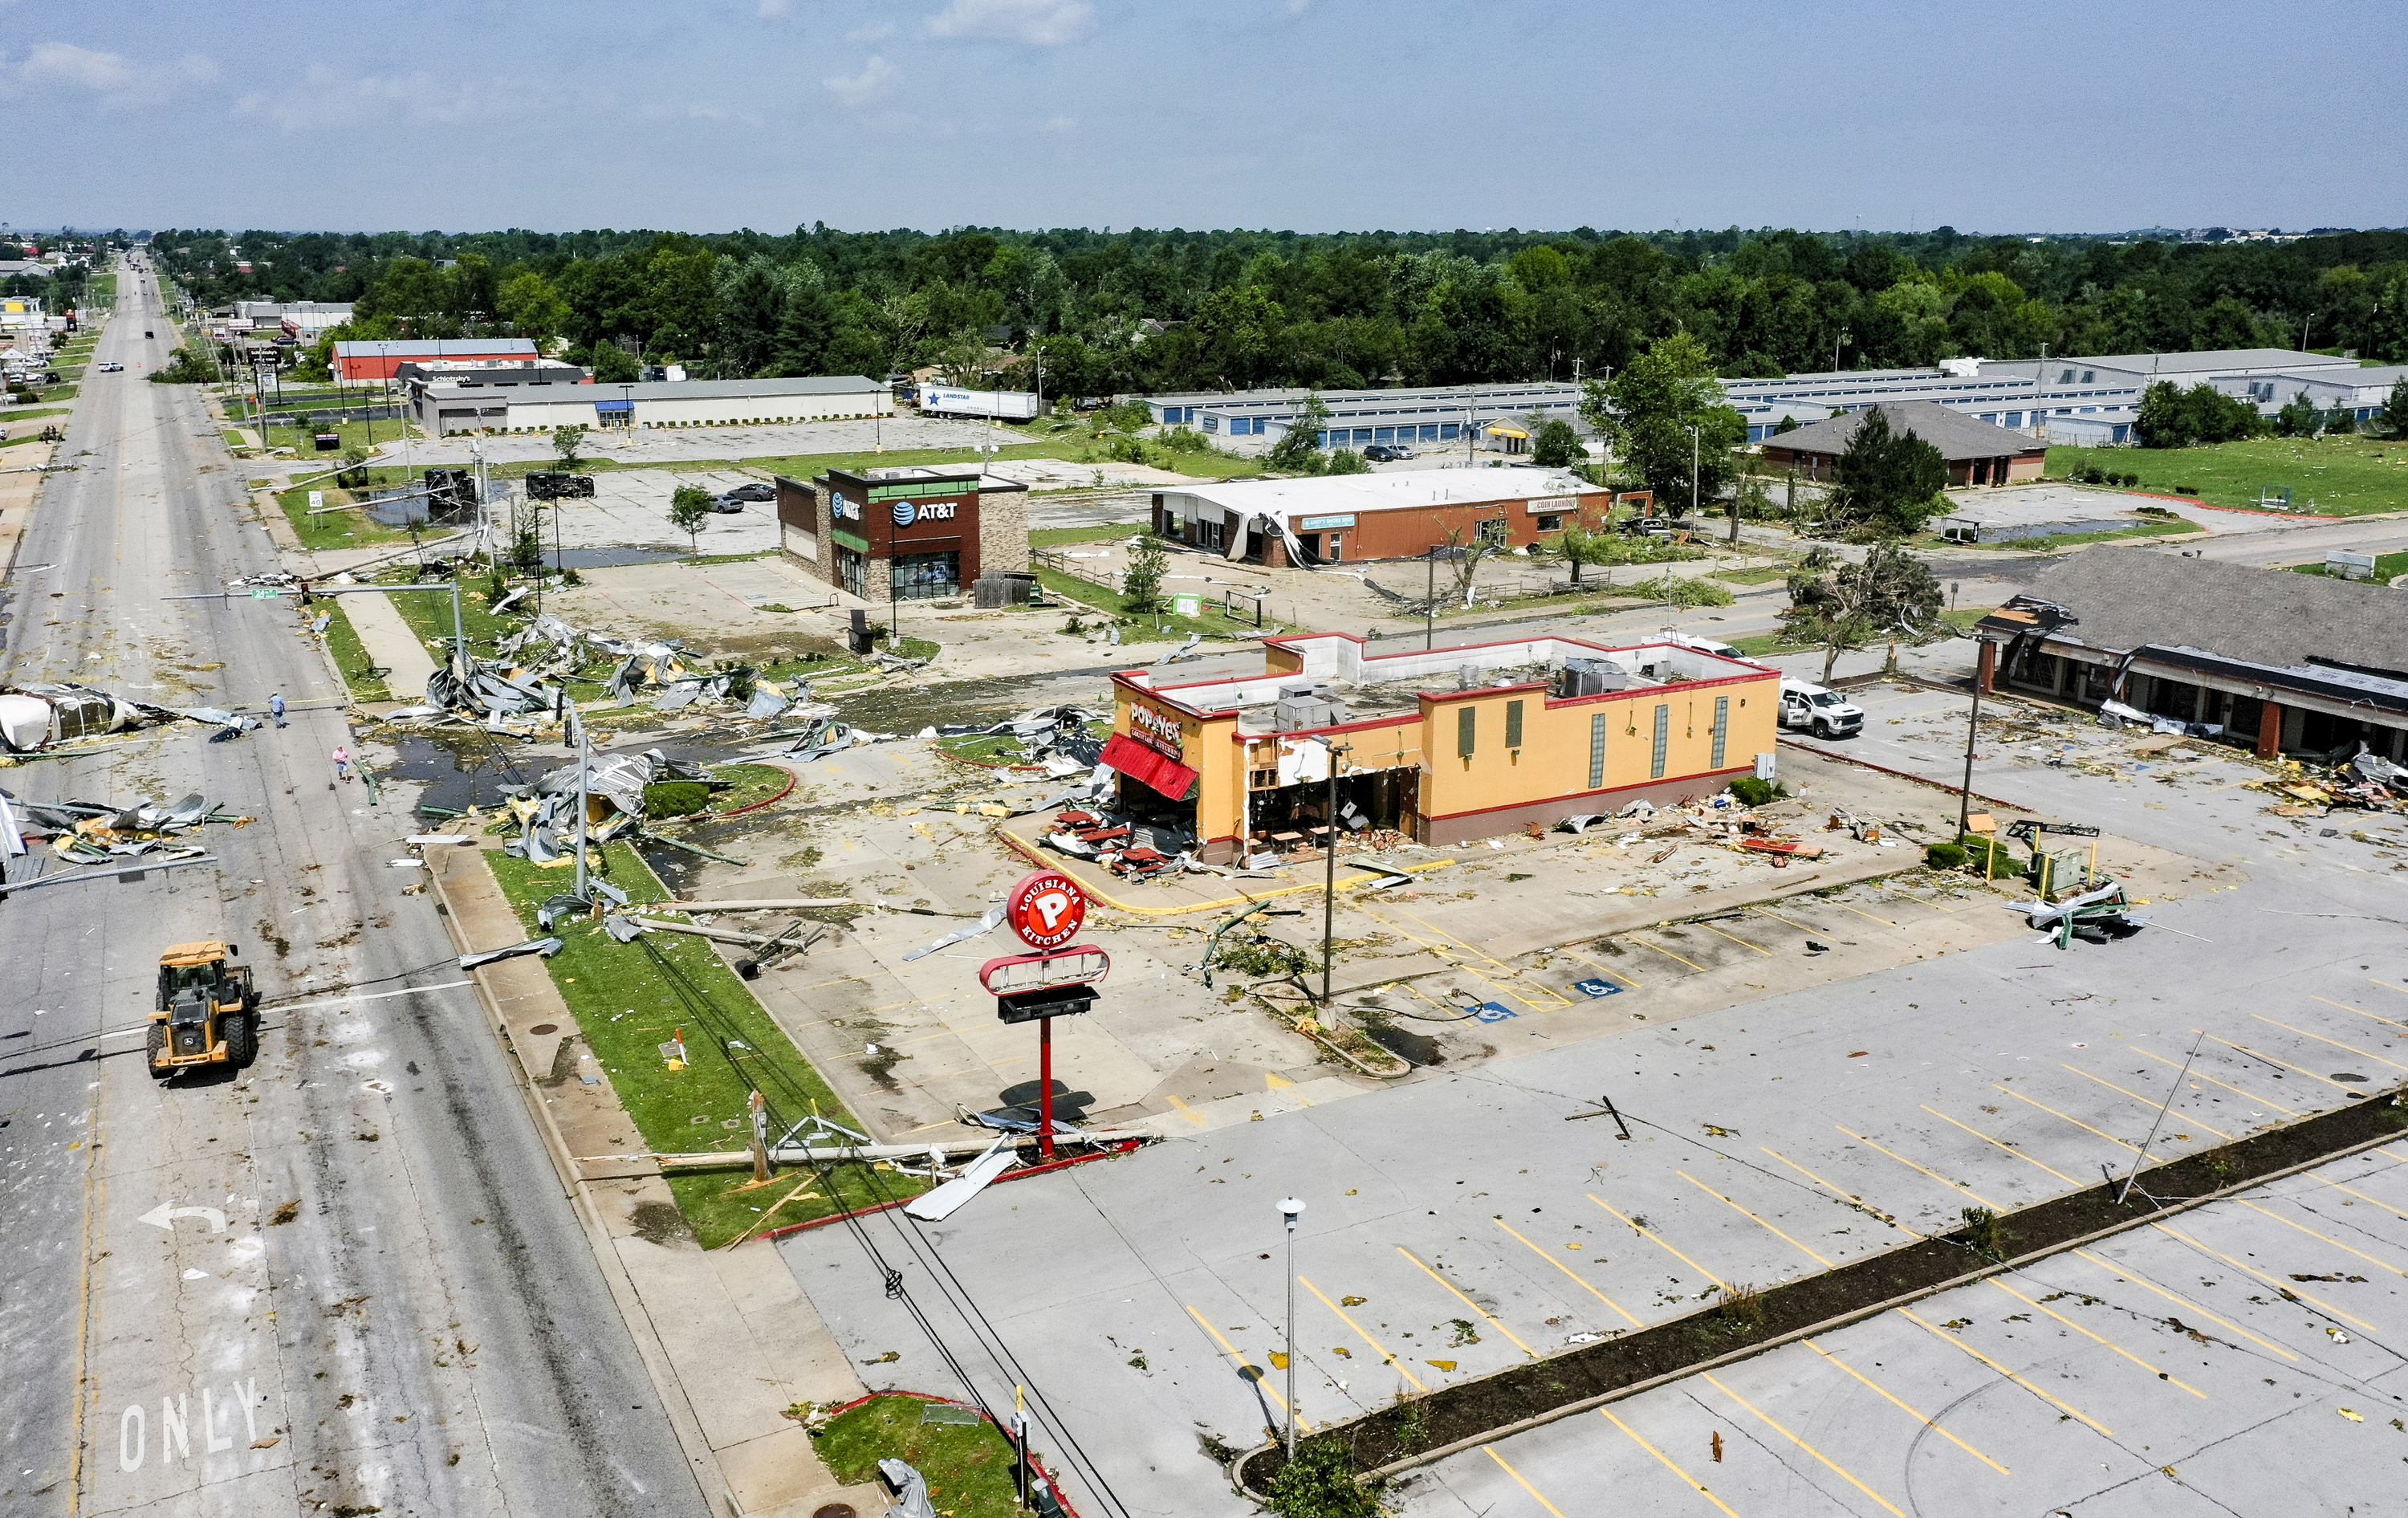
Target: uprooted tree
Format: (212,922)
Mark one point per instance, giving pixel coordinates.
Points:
(1838,606)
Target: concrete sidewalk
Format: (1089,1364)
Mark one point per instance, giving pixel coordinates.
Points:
(727,1335)
(391,643)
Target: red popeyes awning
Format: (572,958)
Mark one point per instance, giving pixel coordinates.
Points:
(1150,767)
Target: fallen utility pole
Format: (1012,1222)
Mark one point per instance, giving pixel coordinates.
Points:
(724,935)
(801,1154)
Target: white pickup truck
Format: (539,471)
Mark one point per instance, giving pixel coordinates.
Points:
(1825,713)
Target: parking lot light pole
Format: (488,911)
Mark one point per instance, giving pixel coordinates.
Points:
(1291,1210)
(1329,874)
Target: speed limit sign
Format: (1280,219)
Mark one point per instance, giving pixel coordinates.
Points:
(1046,909)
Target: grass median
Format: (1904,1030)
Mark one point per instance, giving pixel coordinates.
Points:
(630,998)
(352,657)
(967,1464)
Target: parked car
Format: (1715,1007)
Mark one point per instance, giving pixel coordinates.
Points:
(1826,713)
(730,502)
(1384,454)
(112,368)
(756,490)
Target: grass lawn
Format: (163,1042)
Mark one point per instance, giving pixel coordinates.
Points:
(2033,545)
(968,1466)
(2386,565)
(332,529)
(354,434)
(1763,575)
(1074,445)
(9,417)
(1146,626)
(352,657)
(2346,476)
(631,998)
(1062,537)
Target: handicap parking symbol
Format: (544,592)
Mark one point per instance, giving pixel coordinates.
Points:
(1494,1011)
(1595,988)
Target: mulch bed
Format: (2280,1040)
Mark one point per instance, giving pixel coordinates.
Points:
(1593,1373)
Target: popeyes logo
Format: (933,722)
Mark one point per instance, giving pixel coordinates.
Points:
(1155,728)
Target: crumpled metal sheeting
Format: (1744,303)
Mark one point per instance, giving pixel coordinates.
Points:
(93,830)
(545,947)
(654,663)
(67,711)
(491,688)
(547,810)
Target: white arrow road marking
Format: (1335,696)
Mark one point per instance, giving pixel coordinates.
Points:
(165,1213)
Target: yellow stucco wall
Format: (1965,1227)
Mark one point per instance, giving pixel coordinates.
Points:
(1207,746)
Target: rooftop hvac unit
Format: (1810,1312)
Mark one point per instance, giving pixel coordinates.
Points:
(1592,677)
(1297,713)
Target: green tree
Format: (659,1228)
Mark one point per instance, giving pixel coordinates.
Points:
(526,541)
(1556,445)
(1141,582)
(1888,482)
(689,508)
(1580,545)
(2395,410)
(1297,448)
(533,308)
(1649,410)
(1346,461)
(1837,605)
(2299,417)
(2162,420)
(565,441)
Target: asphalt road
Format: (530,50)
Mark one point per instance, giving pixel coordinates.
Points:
(368,1292)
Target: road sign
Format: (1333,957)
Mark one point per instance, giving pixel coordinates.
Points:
(265,593)
(1047,908)
(1187,606)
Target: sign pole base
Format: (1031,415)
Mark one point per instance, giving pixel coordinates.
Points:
(1046,1087)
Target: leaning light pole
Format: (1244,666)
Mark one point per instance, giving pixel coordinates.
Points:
(1291,1210)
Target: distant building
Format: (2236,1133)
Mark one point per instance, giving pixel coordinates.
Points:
(2285,663)
(360,360)
(910,533)
(1405,415)
(299,319)
(448,397)
(1401,514)
(25,265)
(702,403)
(1977,454)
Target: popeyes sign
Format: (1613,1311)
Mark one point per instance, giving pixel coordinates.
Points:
(1156,729)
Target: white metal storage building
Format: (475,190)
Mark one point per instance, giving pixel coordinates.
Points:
(699,402)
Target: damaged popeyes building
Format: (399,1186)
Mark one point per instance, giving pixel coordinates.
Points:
(1441,747)
(2277,662)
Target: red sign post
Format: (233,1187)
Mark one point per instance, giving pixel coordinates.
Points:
(1046,909)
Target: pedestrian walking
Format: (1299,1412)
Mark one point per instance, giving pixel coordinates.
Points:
(276,708)
(343,763)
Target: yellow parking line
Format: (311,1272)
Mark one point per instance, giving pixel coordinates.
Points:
(1696,1485)
(1386,1358)
(2335,1042)
(1183,1111)
(2296,1069)
(1735,1207)
(2388,986)
(1568,1270)
(1619,975)
(2146,1101)
(1534,1492)
(1999,1143)
(1666,953)
(1837,1468)
(1466,1302)
(1953,1185)
(1742,942)
(2075,1120)
(2272,1281)
(2327,1238)
(1261,1378)
(2198,1075)
(1666,1245)
(1911,1412)
(2137,1280)
(1811,1175)
(2392,1208)
(1845,908)
(2362,1011)
(2087,1334)
(1778,918)
(1947,1337)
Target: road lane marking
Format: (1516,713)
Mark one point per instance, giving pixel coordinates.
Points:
(2128,1273)
(2296,1069)
(1568,1270)
(1727,1202)
(2200,1075)
(2001,1144)
(2078,1328)
(1386,1358)
(1469,1303)
(2060,1403)
(1666,953)
(2146,1101)
(1698,1485)
(1663,1242)
(2075,1120)
(1953,1185)
(2392,1022)
(1534,1492)
(1840,1471)
(1921,1418)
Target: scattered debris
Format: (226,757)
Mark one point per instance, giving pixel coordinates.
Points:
(545,947)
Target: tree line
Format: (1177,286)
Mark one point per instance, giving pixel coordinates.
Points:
(1176,311)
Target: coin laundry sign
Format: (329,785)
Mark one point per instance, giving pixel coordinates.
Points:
(908,512)
(1156,729)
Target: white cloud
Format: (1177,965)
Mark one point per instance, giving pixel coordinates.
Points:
(1061,124)
(115,78)
(876,79)
(1298,8)
(1038,23)
(771,9)
(874,32)
(324,97)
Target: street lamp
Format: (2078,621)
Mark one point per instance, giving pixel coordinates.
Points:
(1291,1210)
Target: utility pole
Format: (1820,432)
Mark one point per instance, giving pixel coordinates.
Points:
(1290,1209)
(1429,601)
(2040,412)
(1973,723)
(585,763)
(1694,446)
(1329,874)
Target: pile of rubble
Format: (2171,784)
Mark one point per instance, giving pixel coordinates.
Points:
(2368,782)
(1726,820)
(1060,740)
(614,785)
(100,832)
(38,716)
(527,678)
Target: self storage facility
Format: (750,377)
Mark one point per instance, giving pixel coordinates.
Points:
(1444,746)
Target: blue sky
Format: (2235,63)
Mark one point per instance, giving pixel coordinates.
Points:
(1317,115)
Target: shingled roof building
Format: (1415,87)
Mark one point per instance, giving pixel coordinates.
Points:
(2301,662)
(1978,453)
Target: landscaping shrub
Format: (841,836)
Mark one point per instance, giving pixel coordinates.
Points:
(1945,856)
(676,798)
(1676,591)
(1755,793)
(1987,857)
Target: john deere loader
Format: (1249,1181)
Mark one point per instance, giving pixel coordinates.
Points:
(207,1011)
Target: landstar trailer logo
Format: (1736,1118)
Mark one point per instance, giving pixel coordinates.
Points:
(1047,908)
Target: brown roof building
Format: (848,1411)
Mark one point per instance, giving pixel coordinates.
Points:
(1977,453)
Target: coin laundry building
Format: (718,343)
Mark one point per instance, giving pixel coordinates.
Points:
(1444,746)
